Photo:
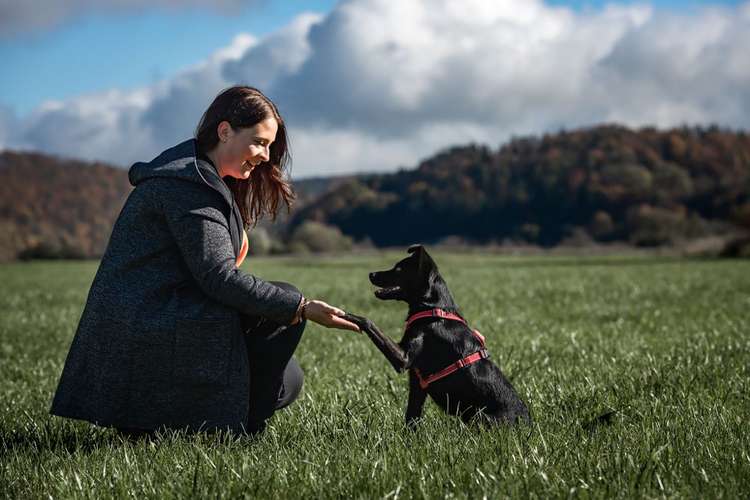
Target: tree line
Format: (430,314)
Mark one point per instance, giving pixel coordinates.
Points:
(56,208)
(608,183)
(603,184)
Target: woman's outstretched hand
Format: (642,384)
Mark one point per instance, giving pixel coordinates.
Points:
(327,315)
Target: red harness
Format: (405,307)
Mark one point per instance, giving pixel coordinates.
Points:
(424,382)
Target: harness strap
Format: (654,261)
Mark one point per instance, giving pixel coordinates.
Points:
(433,313)
(424,382)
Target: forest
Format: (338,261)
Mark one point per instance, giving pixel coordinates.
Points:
(609,183)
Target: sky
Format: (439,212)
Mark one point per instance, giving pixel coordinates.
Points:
(364,85)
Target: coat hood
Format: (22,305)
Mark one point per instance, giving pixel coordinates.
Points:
(181,162)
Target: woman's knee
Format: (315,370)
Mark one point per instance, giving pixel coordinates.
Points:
(294,378)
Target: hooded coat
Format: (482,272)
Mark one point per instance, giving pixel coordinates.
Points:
(160,341)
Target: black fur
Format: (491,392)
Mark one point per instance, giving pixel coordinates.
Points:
(479,390)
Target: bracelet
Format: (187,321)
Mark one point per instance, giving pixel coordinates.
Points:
(302,315)
(299,314)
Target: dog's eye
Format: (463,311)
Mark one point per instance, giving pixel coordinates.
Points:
(398,268)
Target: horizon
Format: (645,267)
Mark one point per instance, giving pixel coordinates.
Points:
(444,149)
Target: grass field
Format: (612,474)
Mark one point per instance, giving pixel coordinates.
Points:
(635,370)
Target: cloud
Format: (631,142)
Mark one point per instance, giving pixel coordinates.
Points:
(681,68)
(376,84)
(373,62)
(123,126)
(318,151)
(17,17)
(280,54)
(100,126)
(176,106)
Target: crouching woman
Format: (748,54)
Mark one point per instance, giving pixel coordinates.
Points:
(173,334)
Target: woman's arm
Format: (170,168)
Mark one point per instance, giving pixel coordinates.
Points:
(195,216)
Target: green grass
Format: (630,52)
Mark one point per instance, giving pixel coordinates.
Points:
(663,343)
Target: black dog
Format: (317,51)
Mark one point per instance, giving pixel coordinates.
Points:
(445,358)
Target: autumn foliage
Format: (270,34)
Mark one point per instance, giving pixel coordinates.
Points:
(609,183)
(50,207)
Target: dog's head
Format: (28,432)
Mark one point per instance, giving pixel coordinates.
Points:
(409,280)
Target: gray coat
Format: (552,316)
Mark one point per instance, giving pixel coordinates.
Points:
(159,342)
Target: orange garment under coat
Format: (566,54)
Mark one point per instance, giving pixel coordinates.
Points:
(243,250)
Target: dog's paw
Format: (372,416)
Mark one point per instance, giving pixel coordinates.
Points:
(362,322)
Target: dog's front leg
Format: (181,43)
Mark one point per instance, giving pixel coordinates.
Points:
(393,352)
(412,345)
(417,395)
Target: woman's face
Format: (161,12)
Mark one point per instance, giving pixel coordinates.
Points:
(241,150)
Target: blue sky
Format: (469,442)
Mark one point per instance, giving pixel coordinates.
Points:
(98,51)
(364,85)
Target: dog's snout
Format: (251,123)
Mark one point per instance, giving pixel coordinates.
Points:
(375,278)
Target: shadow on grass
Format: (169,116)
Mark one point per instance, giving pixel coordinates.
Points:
(77,438)
(66,438)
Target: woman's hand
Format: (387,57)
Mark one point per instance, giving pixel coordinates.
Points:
(327,315)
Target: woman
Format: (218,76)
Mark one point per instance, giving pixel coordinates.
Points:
(173,334)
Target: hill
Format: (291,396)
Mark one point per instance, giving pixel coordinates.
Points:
(61,208)
(52,206)
(609,183)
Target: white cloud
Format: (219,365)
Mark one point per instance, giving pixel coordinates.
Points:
(323,151)
(123,126)
(177,105)
(380,67)
(377,84)
(679,68)
(100,126)
(277,55)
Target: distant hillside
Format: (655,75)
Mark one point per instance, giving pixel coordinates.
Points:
(608,183)
(57,207)
(54,207)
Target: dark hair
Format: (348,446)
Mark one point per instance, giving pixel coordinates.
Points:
(267,187)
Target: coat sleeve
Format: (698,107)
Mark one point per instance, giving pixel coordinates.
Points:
(196,218)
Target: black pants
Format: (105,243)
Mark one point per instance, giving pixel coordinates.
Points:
(275,376)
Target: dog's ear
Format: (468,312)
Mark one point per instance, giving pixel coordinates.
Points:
(425,265)
(415,248)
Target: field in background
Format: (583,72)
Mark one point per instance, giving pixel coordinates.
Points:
(635,370)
